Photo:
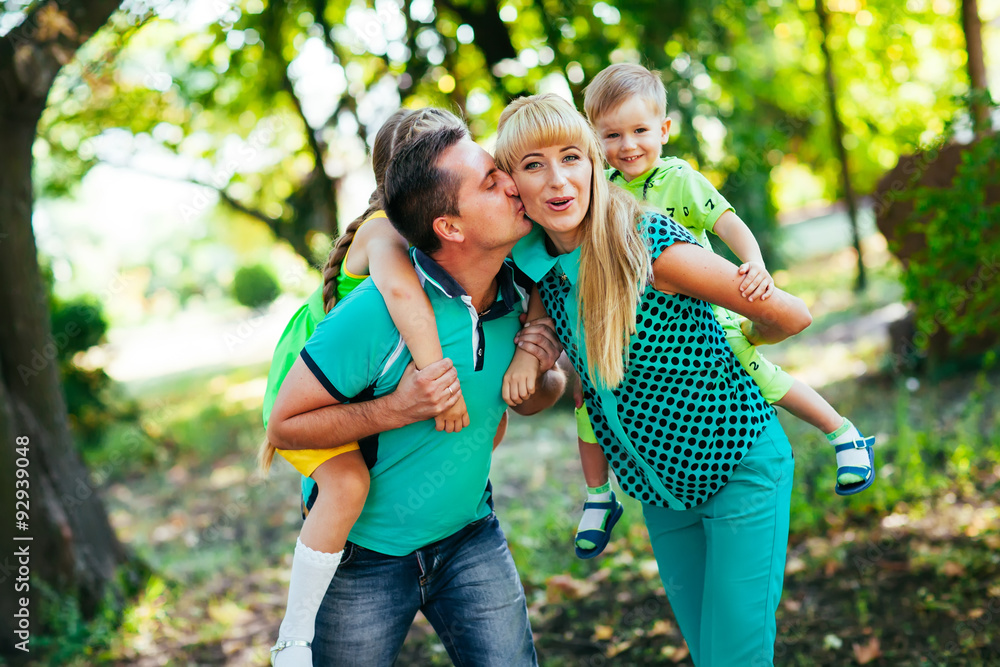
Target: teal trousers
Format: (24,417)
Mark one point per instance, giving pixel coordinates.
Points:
(723,563)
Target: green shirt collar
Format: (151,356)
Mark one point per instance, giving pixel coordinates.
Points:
(532,257)
(616,177)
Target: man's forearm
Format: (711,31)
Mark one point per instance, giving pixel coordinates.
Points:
(550,387)
(337,425)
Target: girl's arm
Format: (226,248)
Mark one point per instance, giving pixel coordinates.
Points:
(519,380)
(387,254)
(687,268)
(757,282)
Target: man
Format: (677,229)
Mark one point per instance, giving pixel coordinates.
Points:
(427,538)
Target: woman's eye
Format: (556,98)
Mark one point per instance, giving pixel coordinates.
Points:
(532,165)
(571,158)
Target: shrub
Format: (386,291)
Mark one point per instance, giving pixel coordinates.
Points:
(255,286)
(953,278)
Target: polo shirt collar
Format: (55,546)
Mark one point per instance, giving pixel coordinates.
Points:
(430,271)
(532,257)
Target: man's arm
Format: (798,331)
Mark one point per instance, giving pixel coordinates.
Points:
(306,416)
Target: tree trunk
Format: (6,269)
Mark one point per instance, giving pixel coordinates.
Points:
(73,548)
(838,139)
(971,25)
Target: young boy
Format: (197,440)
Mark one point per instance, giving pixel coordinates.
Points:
(626,104)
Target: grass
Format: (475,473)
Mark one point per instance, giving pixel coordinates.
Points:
(903,571)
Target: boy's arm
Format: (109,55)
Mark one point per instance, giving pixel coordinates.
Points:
(757,282)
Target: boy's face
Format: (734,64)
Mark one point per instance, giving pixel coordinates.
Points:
(632,136)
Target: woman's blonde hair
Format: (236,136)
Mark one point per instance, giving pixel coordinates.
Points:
(614,261)
(399,128)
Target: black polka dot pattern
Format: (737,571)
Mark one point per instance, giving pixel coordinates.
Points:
(688,408)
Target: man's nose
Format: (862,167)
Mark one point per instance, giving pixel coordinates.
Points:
(509,188)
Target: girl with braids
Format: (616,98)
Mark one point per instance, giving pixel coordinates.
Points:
(683,425)
(369,245)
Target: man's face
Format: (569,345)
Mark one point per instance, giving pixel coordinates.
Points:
(490,211)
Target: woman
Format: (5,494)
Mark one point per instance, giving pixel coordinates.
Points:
(684,427)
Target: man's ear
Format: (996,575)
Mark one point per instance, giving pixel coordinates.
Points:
(448,228)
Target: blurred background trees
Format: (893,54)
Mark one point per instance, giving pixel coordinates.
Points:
(155,147)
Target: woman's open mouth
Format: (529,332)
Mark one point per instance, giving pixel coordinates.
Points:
(560,203)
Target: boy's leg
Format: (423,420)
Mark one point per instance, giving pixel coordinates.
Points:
(343,487)
(368,609)
(678,540)
(805,403)
(746,530)
(474,598)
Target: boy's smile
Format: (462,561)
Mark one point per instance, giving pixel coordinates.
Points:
(632,136)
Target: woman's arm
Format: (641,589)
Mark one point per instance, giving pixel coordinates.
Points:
(687,268)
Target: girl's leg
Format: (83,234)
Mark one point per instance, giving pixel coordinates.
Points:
(343,488)
(678,540)
(594,526)
(746,537)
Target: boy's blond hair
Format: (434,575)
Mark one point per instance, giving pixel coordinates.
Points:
(615,84)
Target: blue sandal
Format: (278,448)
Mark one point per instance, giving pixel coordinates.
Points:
(600,538)
(867,473)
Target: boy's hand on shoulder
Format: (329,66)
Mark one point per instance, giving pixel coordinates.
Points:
(757,282)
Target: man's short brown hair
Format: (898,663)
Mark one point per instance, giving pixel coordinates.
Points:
(617,83)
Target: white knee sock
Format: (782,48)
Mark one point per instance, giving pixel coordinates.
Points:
(312,572)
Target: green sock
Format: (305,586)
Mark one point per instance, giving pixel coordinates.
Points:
(851,457)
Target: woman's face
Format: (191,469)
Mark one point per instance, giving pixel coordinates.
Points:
(554,185)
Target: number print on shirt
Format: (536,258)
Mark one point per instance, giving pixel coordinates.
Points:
(710,204)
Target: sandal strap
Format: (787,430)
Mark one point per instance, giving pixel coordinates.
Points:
(608,505)
(282,644)
(862,443)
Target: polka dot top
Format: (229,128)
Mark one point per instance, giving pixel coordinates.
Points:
(686,411)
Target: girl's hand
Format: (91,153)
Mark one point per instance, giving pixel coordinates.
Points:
(520,378)
(455,418)
(757,282)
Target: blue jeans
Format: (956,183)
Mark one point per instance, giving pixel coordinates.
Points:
(465,585)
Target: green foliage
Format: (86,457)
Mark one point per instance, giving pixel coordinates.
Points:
(255,286)
(953,279)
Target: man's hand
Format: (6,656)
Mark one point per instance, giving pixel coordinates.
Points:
(757,282)
(539,338)
(426,393)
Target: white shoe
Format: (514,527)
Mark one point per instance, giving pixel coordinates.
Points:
(299,653)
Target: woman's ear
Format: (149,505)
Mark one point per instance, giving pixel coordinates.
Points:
(448,228)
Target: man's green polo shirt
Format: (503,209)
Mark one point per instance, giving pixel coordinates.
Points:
(425,484)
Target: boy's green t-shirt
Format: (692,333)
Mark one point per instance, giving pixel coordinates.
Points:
(676,188)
